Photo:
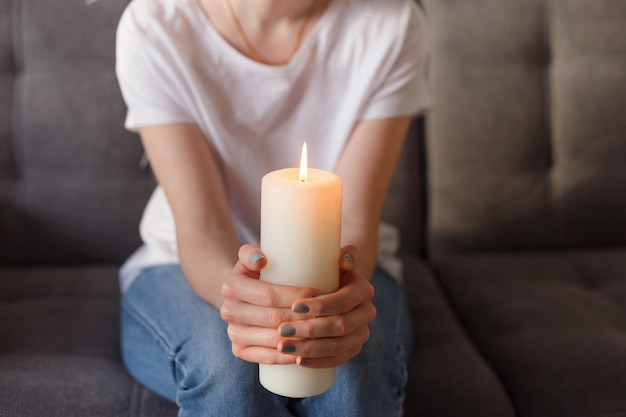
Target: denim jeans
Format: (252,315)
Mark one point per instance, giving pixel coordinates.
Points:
(176,344)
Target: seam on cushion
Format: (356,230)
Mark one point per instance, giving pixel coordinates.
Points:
(17,48)
(475,345)
(548,119)
(587,283)
(18,55)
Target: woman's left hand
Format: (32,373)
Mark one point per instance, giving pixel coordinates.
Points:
(334,326)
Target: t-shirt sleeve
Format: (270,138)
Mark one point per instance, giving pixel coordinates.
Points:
(402,88)
(144,70)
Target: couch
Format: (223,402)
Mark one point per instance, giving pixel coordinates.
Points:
(510,195)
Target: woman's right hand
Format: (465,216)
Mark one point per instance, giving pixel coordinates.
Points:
(254,309)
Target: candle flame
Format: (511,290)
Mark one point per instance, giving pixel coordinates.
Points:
(303,164)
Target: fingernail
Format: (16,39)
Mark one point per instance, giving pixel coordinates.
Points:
(256,257)
(300,308)
(305,362)
(287,331)
(348,258)
(288,349)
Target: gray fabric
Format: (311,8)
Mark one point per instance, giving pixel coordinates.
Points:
(65,157)
(552,326)
(73,386)
(588,107)
(71,194)
(59,346)
(523,151)
(69,310)
(447,374)
(526,140)
(404,206)
(63,386)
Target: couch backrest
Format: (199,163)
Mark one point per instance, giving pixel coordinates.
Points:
(70,186)
(405,203)
(526,143)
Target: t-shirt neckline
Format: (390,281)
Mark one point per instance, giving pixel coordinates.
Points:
(232,53)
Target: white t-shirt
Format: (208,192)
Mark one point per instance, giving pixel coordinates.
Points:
(364,59)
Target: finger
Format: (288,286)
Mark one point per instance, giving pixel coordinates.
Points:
(347,257)
(254,291)
(244,335)
(330,362)
(330,326)
(355,290)
(326,347)
(250,258)
(247,314)
(260,354)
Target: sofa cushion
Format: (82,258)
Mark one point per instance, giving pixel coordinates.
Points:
(59,346)
(70,185)
(447,375)
(526,141)
(552,325)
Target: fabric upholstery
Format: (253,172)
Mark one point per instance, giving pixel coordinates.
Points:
(404,207)
(65,156)
(526,217)
(510,202)
(447,374)
(71,193)
(526,139)
(59,346)
(551,325)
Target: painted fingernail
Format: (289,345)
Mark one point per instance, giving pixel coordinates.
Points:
(305,361)
(287,331)
(288,348)
(348,258)
(256,257)
(300,308)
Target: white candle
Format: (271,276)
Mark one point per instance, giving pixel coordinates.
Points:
(300,236)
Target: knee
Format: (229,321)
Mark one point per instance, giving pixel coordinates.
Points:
(211,364)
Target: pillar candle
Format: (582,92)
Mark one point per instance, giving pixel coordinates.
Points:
(300,237)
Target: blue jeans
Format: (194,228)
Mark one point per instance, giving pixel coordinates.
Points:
(176,344)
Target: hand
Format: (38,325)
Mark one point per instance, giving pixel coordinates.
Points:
(333,327)
(255,309)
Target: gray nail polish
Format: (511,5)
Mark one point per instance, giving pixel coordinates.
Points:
(348,258)
(300,308)
(256,257)
(305,362)
(287,331)
(288,349)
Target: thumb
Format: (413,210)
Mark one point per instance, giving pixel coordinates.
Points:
(347,258)
(251,258)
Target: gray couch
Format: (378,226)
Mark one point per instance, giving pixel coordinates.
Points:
(511,197)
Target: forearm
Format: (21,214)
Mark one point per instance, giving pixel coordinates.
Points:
(366,167)
(207,260)
(363,235)
(186,168)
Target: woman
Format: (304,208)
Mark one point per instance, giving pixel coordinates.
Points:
(222,92)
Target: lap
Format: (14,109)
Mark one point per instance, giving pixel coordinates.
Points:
(173,340)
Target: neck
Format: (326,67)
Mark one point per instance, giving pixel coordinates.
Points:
(268,13)
(269,31)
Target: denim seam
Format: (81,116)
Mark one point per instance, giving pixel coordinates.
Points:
(158,336)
